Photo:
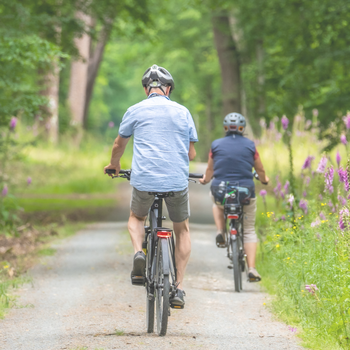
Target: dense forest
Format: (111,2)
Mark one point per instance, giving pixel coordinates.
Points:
(75,65)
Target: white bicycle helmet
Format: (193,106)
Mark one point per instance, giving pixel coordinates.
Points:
(156,77)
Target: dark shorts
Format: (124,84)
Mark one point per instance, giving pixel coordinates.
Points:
(178,205)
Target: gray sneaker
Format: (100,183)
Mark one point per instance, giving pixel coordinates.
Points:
(138,270)
(253,275)
(178,300)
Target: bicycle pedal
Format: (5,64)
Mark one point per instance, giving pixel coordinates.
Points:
(138,280)
(230,267)
(177,306)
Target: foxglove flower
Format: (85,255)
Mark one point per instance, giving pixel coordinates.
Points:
(285,122)
(5,190)
(342,222)
(303,205)
(347,121)
(341,200)
(322,216)
(283,217)
(343,139)
(13,123)
(307,163)
(316,223)
(111,124)
(342,174)
(282,195)
(307,181)
(291,200)
(286,187)
(304,194)
(292,329)
(311,288)
(322,165)
(29,180)
(320,197)
(328,176)
(263,193)
(338,158)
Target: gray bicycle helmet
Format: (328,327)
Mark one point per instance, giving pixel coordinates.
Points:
(156,77)
(234,123)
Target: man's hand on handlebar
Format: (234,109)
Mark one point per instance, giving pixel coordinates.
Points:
(203,181)
(114,167)
(266,182)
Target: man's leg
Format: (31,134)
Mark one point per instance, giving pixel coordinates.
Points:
(136,230)
(250,250)
(182,249)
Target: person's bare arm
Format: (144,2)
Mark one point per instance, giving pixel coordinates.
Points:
(192,152)
(117,152)
(258,166)
(209,172)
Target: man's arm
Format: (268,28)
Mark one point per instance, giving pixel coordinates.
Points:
(258,166)
(192,152)
(117,152)
(209,172)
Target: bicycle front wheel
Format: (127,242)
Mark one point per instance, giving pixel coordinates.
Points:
(162,294)
(237,274)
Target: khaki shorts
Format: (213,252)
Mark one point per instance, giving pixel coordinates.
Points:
(249,213)
(178,206)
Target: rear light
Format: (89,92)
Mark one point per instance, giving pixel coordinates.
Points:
(233,231)
(232,216)
(164,234)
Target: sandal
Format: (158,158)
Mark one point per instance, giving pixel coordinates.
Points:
(220,241)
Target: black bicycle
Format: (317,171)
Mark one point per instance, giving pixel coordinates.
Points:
(160,277)
(234,198)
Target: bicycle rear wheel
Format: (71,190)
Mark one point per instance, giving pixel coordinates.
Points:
(237,274)
(162,294)
(149,292)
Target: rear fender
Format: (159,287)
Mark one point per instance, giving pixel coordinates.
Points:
(165,255)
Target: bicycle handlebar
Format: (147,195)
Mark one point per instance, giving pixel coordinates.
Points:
(128,172)
(195,175)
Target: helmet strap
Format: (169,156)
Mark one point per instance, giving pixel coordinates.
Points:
(158,87)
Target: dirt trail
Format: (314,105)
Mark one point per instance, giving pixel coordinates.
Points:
(82,299)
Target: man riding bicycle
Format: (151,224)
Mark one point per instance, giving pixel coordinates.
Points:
(164,136)
(231,159)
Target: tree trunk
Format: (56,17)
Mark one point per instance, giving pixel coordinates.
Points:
(49,118)
(229,63)
(94,64)
(261,77)
(79,78)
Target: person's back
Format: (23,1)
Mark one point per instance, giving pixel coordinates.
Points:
(234,157)
(231,160)
(164,137)
(162,131)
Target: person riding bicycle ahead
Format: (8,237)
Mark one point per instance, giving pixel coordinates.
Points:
(231,159)
(164,136)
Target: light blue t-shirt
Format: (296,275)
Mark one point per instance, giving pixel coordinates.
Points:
(162,131)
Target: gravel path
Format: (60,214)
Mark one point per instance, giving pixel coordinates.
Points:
(82,299)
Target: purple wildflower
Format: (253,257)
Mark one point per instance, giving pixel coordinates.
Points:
(111,124)
(343,139)
(304,194)
(330,204)
(282,195)
(291,200)
(285,122)
(286,186)
(316,222)
(322,165)
(283,217)
(338,158)
(342,174)
(312,288)
(263,193)
(13,123)
(272,125)
(303,205)
(328,176)
(341,200)
(315,112)
(292,329)
(347,121)
(307,163)
(342,223)
(29,180)
(322,216)
(320,197)
(5,190)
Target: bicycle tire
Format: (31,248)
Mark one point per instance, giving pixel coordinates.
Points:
(162,295)
(149,302)
(237,274)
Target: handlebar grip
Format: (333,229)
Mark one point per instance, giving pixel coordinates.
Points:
(121,171)
(195,176)
(110,171)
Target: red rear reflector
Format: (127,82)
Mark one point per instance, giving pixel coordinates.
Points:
(230,216)
(164,234)
(233,232)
